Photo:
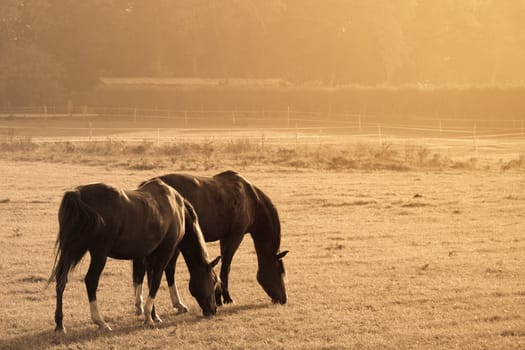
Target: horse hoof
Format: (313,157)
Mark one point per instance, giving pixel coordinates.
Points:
(139,311)
(180,309)
(104,327)
(157,319)
(149,324)
(227,299)
(60,330)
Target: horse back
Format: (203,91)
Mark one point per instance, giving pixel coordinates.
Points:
(225,203)
(264,225)
(162,202)
(105,199)
(136,221)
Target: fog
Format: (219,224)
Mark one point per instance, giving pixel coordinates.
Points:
(49,46)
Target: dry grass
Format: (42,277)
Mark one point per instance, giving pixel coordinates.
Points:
(379,260)
(246,153)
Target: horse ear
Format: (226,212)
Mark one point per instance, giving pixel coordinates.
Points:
(282,254)
(215,261)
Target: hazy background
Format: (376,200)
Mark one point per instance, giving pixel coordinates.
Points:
(390,135)
(53,48)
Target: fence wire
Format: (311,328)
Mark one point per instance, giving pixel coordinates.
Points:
(277,127)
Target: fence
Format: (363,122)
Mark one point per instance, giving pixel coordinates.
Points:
(84,124)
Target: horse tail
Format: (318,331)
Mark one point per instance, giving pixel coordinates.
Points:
(76,221)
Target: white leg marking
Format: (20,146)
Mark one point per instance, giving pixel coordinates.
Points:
(147,312)
(176,300)
(95,316)
(138,299)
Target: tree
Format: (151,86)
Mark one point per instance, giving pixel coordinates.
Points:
(27,73)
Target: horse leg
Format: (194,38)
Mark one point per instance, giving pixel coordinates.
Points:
(176,300)
(154,277)
(152,311)
(92,277)
(228,248)
(139,270)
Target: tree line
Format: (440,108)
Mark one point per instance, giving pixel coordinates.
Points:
(49,47)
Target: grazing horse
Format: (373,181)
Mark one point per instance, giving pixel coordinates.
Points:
(228,207)
(148,224)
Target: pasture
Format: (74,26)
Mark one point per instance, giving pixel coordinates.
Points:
(389,135)
(420,258)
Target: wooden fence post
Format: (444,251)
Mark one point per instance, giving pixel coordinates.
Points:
(296,136)
(475,138)
(288,115)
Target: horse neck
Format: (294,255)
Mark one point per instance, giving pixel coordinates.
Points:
(193,249)
(266,230)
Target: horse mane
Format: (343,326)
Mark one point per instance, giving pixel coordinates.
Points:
(266,226)
(271,214)
(193,235)
(266,213)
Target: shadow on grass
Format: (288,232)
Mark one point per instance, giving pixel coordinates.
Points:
(49,338)
(231,309)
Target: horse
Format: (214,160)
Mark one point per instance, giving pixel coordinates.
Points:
(228,206)
(147,224)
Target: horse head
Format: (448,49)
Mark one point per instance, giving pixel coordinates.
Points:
(204,288)
(271,275)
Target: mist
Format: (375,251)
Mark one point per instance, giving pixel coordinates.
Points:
(51,48)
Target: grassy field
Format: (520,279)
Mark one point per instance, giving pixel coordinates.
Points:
(380,257)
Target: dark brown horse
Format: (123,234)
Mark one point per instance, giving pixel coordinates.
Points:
(228,207)
(148,224)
